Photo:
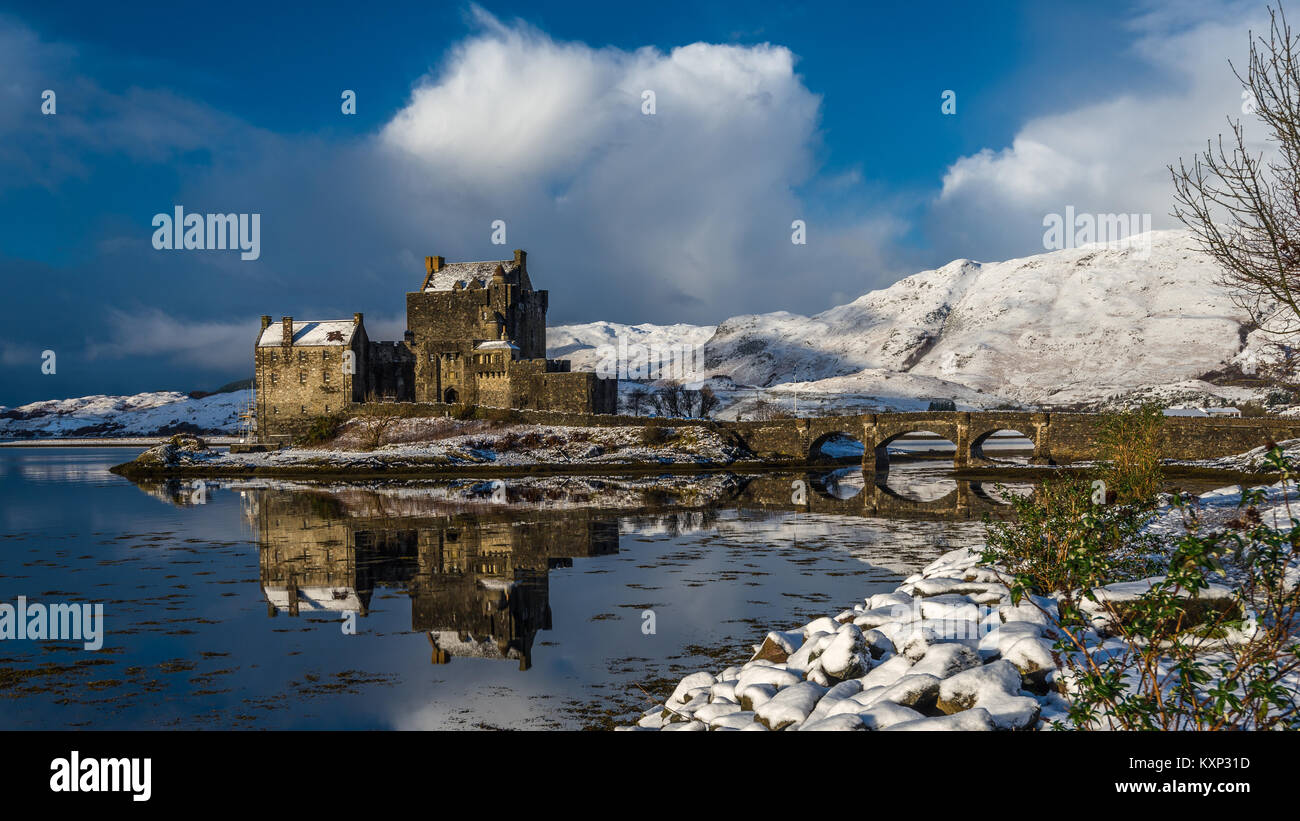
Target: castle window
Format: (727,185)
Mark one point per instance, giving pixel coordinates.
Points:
(275,379)
(275,409)
(302,377)
(304,408)
(302,356)
(326,376)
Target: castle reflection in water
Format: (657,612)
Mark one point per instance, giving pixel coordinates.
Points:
(477,572)
(477,580)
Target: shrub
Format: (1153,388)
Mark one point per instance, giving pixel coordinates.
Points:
(1131,450)
(1186,667)
(1065,536)
(507,443)
(655,434)
(322,430)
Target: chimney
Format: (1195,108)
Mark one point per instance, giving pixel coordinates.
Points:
(286,332)
(266,322)
(433,264)
(357,317)
(521,258)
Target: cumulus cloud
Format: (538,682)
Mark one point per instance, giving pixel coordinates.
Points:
(1109,156)
(689,209)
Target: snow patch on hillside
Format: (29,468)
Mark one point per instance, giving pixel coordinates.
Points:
(143,414)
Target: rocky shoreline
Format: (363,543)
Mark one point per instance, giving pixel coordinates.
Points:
(946,650)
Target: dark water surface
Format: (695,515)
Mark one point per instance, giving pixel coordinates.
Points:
(438,605)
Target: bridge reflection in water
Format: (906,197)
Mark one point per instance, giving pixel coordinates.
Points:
(477,574)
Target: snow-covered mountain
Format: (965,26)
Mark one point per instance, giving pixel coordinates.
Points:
(1073,327)
(1061,328)
(144,414)
(586,345)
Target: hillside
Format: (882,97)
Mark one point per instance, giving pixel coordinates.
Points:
(1072,327)
(1079,327)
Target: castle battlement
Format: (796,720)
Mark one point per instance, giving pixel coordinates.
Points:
(476,334)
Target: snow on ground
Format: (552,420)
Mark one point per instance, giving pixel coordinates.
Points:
(143,414)
(947,650)
(422,442)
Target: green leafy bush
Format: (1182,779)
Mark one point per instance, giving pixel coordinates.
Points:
(1064,536)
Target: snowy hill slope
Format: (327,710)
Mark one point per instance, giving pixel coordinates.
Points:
(143,414)
(1061,327)
(585,345)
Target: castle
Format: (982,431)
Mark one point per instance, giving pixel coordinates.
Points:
(476,335)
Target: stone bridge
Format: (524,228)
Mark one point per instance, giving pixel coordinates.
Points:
(1058,438)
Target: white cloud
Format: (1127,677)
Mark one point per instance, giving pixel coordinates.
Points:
(687,210)
(1109,156)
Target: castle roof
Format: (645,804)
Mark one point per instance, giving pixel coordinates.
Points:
(311,332)
(497,345)
(446,277)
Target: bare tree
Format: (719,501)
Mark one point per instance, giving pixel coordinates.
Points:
(700,404)
(380,419)
(667,401)
(637,399)
(1242,210)
(674,401)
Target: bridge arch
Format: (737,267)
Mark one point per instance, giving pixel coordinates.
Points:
(943,439)
(1005,445)
(836,446)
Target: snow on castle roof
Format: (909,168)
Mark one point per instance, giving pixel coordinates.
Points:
(446,277)
(311,332)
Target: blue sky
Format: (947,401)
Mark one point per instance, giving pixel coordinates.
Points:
(530,113)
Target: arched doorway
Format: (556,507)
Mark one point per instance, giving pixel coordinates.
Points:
(450,396)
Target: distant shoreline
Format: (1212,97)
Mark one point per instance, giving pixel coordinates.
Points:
(105,441)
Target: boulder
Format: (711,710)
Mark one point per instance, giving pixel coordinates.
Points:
(777,646)
(791,705)
(995,688)
(734,721)
(841,722)
(687,727)
(846,656)
(974,720)
(919,692)
(944,660)
(1116,604)
(753,696)
(878,644)
(689,686)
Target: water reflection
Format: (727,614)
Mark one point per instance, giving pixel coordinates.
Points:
(478,582)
